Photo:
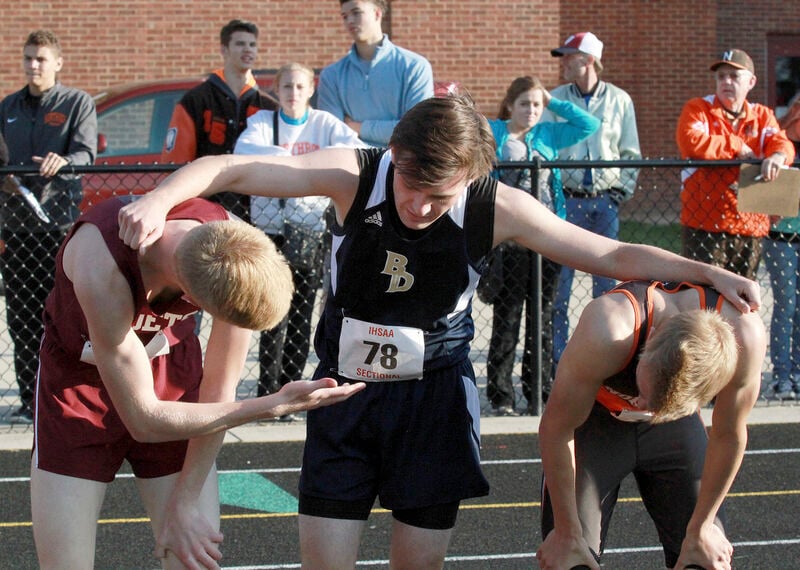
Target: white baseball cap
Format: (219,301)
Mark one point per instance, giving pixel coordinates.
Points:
(583,42)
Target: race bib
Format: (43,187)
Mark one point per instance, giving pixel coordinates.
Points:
(158,346)
(380,353)
(634,415)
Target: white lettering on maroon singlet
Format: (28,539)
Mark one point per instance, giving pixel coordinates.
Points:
(153,323)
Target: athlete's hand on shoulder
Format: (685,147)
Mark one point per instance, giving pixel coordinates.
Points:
(561,551)
(188,540)
(141,223)
(309,394)
(708,549)
(743,293)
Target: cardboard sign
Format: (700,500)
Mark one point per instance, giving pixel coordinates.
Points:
(781,197)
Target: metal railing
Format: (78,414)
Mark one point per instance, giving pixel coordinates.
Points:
(651,216)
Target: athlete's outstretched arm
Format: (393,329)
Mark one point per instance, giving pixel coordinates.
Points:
(521,218)
(329,172)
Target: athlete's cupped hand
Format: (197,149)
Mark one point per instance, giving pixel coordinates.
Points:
(188,540)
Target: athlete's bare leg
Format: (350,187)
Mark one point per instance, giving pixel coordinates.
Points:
(155,495)
(329,544)
(415,548)
(65,512)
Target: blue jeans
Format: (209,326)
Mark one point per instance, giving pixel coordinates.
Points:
(601,216)
(783,265)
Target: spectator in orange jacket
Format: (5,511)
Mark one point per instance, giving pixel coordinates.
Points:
(726,126)
(210,117)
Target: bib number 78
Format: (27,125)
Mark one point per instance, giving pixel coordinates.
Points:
(388,354)
(380,353)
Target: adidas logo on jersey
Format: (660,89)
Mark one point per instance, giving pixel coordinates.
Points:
(375,219)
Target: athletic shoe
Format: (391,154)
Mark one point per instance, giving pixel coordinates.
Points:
(289,418)
(772,395)
(507,411)
(23,415)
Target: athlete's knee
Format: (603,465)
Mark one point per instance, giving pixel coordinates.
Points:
(435,517)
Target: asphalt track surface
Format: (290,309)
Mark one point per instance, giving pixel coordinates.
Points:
(258,481)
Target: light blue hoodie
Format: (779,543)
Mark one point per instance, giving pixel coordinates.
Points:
(376,93)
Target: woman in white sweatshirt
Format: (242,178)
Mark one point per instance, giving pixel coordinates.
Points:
(297,225)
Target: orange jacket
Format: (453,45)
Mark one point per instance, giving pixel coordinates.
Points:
(210,117)
(708,195)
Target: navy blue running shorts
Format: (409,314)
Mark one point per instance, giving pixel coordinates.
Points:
(411,444)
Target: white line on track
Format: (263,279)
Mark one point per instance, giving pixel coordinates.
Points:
(523,555)
(492,462)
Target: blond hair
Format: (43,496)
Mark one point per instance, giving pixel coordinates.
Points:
(691,357)
(288,68)
(293,66)
(234,271)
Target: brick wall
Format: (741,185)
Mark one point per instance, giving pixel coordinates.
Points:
(482,44)
(658,51)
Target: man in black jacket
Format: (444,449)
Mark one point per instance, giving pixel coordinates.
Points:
(55,127)
(210,117)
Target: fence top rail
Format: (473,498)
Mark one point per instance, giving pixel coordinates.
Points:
(637,163)
(94,169)
(535,164)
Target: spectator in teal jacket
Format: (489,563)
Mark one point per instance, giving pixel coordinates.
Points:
(519,136)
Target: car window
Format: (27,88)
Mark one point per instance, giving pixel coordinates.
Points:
(137,126)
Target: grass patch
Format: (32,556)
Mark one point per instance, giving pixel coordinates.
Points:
(664,236)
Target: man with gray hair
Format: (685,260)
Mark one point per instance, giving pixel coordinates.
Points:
(725,126)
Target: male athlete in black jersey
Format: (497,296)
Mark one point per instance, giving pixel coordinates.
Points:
(414,224)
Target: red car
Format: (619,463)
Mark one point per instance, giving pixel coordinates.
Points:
(132,122)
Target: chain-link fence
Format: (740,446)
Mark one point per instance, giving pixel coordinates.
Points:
(513,365)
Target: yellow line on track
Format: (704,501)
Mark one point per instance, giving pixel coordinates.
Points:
(468,507)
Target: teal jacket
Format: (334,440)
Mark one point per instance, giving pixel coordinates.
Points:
(547,138)
(787,225)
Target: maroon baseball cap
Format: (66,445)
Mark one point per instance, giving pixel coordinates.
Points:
(735,58)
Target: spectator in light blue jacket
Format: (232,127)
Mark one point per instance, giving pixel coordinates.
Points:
(519,136)
(374,85)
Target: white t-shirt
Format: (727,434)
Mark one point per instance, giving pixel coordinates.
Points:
(319,129)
